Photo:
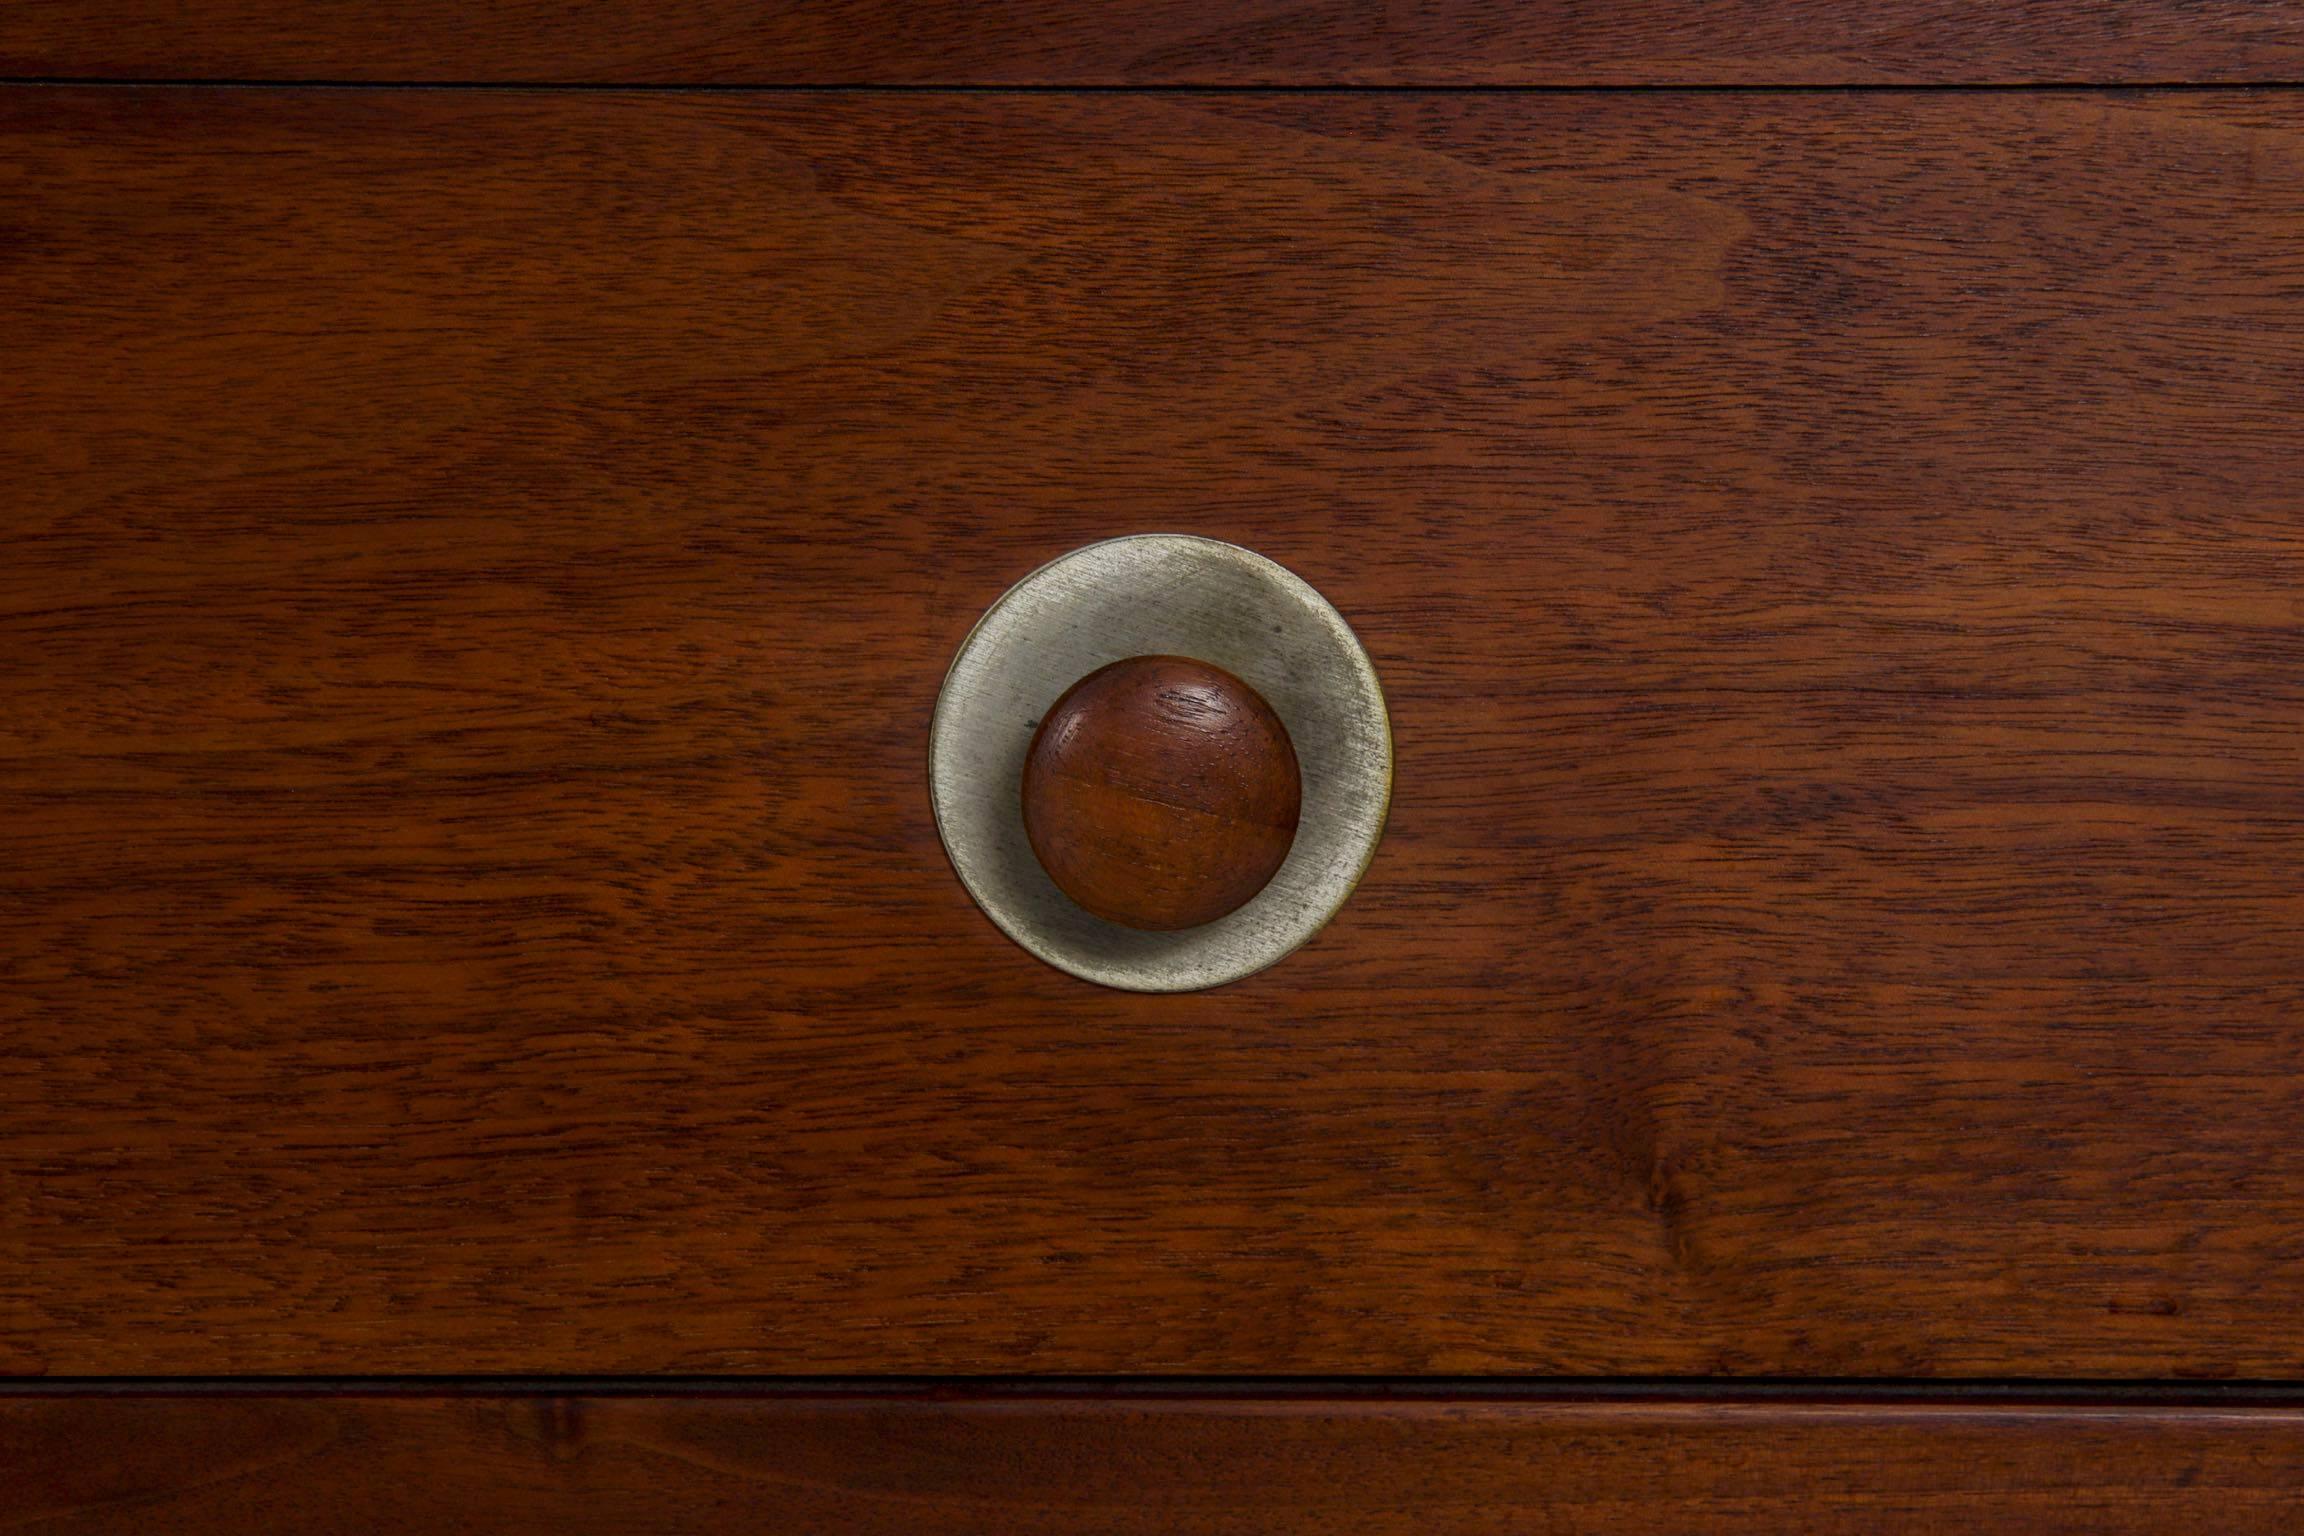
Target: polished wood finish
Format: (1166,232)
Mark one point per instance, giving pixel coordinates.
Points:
(906,1465)
(479,568)
(1161,792)
(1163,42)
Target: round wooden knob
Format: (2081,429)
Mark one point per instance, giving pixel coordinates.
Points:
(1161,792)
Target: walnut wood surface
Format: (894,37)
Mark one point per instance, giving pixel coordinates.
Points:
(479,567)
(1161,792)
(633,1466)
(1162,42)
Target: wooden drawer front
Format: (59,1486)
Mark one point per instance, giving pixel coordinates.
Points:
(1163,42)
(479,565)
(861,1466)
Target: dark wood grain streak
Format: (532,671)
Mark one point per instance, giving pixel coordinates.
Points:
(633,1466)
(479,567)
(1163,42)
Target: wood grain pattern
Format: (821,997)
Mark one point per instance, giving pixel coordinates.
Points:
(480,565)
(1161,793)
(632,1466)
(1162,42)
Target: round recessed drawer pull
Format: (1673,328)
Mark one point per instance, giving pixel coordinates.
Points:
(1160,762)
